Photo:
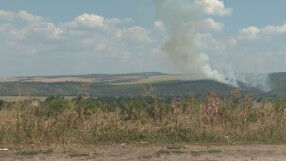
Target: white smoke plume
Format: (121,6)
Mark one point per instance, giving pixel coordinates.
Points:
(182,19)
(259,81)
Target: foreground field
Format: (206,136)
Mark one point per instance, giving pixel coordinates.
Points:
(125,152)
(209,119)
(144,128)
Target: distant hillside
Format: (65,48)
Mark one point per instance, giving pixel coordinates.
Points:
(93,78)
(278,84)
(134,84)
(108,76)
(170,88)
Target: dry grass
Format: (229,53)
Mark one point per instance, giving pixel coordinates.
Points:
(9,79)
(150,79)
(63,79)
(205,120)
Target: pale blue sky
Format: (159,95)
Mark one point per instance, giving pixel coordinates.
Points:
(245,12)
(53,37)
(254,13)
(66,10)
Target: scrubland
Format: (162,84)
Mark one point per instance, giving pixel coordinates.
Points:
(235,119)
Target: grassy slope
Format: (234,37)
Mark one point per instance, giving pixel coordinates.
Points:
(168,88)
(278,86)
(132,85)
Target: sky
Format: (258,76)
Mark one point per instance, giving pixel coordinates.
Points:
(66,37)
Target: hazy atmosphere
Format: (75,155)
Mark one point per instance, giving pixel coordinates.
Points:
(143,80)
(209,37)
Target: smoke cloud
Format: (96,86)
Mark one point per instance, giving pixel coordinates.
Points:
(259,81)
(182,20)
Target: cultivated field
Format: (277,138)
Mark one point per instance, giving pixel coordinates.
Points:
(114,80)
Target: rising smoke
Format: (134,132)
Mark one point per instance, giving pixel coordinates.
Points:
(260,81)
(181,18)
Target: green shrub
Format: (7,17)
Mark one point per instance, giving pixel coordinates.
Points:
(133,110)
(54,106)
(85,106)
(2,102)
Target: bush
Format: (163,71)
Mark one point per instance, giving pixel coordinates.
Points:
(133,110)
(53,98)
(2,102)
(54,106)
(85,106)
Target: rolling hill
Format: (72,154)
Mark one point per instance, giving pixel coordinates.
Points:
(133,84)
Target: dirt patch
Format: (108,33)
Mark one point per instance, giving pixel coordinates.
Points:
(125,152)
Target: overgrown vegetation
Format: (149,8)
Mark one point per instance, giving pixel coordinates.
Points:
(237,118)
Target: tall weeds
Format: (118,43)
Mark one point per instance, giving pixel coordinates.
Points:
(210,119)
